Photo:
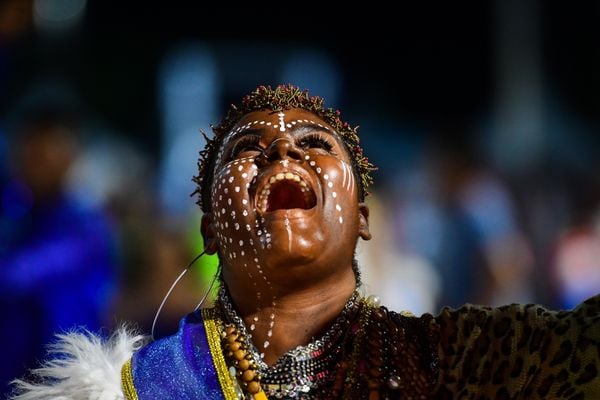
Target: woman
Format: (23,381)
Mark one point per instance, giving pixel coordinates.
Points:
(282,186)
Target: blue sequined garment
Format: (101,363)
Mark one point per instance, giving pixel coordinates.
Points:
(184,366)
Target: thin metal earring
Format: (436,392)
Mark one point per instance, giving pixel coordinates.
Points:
(171,289)
(212,283)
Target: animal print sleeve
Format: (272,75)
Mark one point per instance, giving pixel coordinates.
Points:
(519,352)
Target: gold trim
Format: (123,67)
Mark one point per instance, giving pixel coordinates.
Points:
(127,382)
(213,337)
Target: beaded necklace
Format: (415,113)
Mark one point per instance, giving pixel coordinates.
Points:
(369,352)
(300,370)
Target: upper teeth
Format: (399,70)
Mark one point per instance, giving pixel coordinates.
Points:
(288,175)
(264,194)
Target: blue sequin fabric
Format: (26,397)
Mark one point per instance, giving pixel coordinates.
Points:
(178,366)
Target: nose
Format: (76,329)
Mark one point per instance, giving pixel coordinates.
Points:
(282,148)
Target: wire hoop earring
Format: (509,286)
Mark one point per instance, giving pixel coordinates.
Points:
(171,289)
(212,283)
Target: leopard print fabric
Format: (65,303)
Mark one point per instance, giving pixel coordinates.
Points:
(519,352)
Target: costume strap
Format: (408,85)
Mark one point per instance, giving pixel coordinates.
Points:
(213,337)
(127,382)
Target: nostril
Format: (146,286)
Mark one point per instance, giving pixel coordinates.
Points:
(281,148)
(262,159)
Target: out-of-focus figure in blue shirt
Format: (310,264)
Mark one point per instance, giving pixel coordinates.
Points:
(57,267)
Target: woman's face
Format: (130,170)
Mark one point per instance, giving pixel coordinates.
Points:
(284,198)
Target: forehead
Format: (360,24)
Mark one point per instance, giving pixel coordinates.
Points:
(264,121)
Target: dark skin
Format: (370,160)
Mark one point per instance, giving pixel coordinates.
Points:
(285,219)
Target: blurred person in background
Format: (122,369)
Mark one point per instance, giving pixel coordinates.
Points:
(575,264)
(57,268)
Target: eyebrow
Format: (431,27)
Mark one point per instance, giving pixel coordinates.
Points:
(297,129)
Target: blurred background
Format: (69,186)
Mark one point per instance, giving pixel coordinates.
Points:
(482,118)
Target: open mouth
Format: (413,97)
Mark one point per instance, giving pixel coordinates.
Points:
(286,191)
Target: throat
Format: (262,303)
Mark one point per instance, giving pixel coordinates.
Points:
(274,333)
(314,362)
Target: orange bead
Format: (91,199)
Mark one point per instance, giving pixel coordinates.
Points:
(248,375)
(244,364)
(229,329)
(239,354)
(231,338)
(253,387)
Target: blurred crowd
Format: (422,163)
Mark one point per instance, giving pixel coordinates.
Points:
(94,227)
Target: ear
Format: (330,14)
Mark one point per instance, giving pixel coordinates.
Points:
(363,221)
(207,228)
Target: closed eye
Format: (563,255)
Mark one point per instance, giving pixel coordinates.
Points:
(314,141)
(244,144)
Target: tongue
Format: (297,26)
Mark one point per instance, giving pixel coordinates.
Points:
(286,195)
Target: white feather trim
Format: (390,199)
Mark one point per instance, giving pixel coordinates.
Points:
(84,367)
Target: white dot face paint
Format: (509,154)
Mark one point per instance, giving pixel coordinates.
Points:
(244,237)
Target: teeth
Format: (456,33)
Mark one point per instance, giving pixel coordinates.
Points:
(264,194)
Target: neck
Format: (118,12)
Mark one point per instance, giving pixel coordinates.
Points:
(280,325)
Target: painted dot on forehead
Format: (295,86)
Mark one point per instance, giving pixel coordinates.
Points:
(241,167)
(237,189)
(330,184)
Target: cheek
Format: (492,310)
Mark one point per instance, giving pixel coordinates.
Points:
(232,207)
(338,184)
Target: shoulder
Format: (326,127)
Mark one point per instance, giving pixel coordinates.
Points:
(520,349)
(506,320)
(82,366)
(186,365)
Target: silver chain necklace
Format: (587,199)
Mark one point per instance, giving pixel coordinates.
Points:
(304,368)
